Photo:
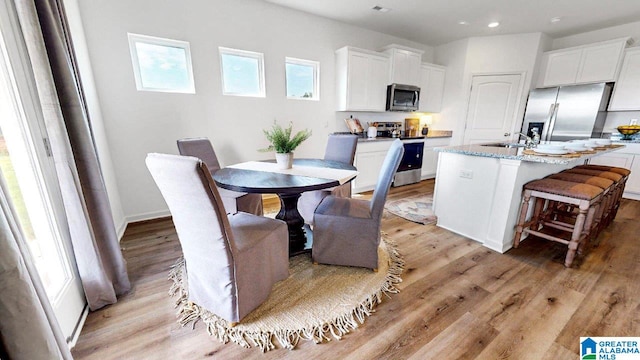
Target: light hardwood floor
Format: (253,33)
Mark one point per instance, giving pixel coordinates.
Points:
(458,300)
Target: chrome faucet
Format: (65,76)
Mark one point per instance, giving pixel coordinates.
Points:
(528,142)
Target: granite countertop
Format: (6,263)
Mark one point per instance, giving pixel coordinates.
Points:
(633,141)
(433,134)
(517,154)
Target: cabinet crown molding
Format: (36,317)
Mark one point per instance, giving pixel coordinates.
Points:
(625,39)
(402,47)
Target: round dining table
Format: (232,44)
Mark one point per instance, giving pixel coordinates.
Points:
(288,187)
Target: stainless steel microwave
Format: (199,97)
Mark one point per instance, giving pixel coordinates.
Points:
(402,97)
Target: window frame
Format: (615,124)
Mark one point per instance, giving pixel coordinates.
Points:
(136,38)
(316,77)
(262,93)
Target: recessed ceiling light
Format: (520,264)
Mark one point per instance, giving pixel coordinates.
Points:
(380,8)
(493,24)
(555,19)
(462,22)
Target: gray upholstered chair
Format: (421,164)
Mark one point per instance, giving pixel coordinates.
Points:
(233,201)
(232,261)
(347,231)
(342,148)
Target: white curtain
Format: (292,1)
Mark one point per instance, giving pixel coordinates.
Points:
(101,265)
(28,327)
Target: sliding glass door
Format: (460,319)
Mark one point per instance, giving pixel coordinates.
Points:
(28,170)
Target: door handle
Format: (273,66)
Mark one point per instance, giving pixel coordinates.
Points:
(507,134)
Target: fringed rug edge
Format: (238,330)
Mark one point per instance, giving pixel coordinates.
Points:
(340,325)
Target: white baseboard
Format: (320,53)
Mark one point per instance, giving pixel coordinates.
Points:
(147,216)
(120,229)
(76,332)
(631,196)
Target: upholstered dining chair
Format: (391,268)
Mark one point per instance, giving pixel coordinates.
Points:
(342,148)
(233,201)
(347,231)
(232,260)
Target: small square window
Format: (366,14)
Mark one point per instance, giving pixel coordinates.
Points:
(302,79)
(161,64)
(242,72)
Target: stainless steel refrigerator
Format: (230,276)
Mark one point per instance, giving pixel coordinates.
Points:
(567,112)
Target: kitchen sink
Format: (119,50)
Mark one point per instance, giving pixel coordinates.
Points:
(504,145)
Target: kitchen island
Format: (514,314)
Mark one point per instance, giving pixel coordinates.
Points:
(478,188)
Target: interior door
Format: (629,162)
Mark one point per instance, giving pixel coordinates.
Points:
(28,170)
(492,108)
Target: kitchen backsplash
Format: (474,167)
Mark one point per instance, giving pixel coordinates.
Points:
(617,118)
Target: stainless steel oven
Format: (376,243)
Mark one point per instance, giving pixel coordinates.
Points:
(410,168)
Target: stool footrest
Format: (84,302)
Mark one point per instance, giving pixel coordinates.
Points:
(559,225)
(545,236)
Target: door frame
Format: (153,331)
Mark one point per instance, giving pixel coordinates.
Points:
(24,85)
(521,101)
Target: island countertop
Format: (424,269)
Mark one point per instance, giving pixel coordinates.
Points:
(517,153)
(478,189)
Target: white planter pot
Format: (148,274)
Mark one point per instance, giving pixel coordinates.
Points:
(284,160)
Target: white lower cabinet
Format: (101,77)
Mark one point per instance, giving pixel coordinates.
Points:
(368,160)
(430,157)
(628,158)
(370,155)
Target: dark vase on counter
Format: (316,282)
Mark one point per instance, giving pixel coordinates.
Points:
(425,130)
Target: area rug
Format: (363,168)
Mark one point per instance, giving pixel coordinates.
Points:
(316,302)
(417,208)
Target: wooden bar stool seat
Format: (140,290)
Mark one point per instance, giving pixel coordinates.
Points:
(615,169)
(606,204)
(617,177)
(619,170)
(584,196)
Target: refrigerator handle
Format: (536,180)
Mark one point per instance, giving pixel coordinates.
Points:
(552,121)
(546,127)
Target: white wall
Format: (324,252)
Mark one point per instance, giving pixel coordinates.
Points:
(95,114)
(137,123)
(484,55)
(614,32)
(454,56)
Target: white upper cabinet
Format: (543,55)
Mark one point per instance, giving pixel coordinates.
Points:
(597,62)
(361,79)
(561,67)
(405,64)
(431,87)
(626,92)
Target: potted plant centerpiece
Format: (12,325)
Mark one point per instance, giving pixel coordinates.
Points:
(283,144)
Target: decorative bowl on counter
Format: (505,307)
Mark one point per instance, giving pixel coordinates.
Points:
(628,130)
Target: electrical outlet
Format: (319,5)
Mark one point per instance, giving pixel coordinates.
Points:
(467,174)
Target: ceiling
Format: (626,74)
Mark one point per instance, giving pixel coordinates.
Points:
(436,22)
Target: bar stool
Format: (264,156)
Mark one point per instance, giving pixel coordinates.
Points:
(586,197)
(618,179)
(618,170)
(606,185)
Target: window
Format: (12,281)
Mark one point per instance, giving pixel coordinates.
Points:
(161,64)
(302,79)
(242,72)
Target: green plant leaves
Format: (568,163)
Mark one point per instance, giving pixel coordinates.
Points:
(280,139)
